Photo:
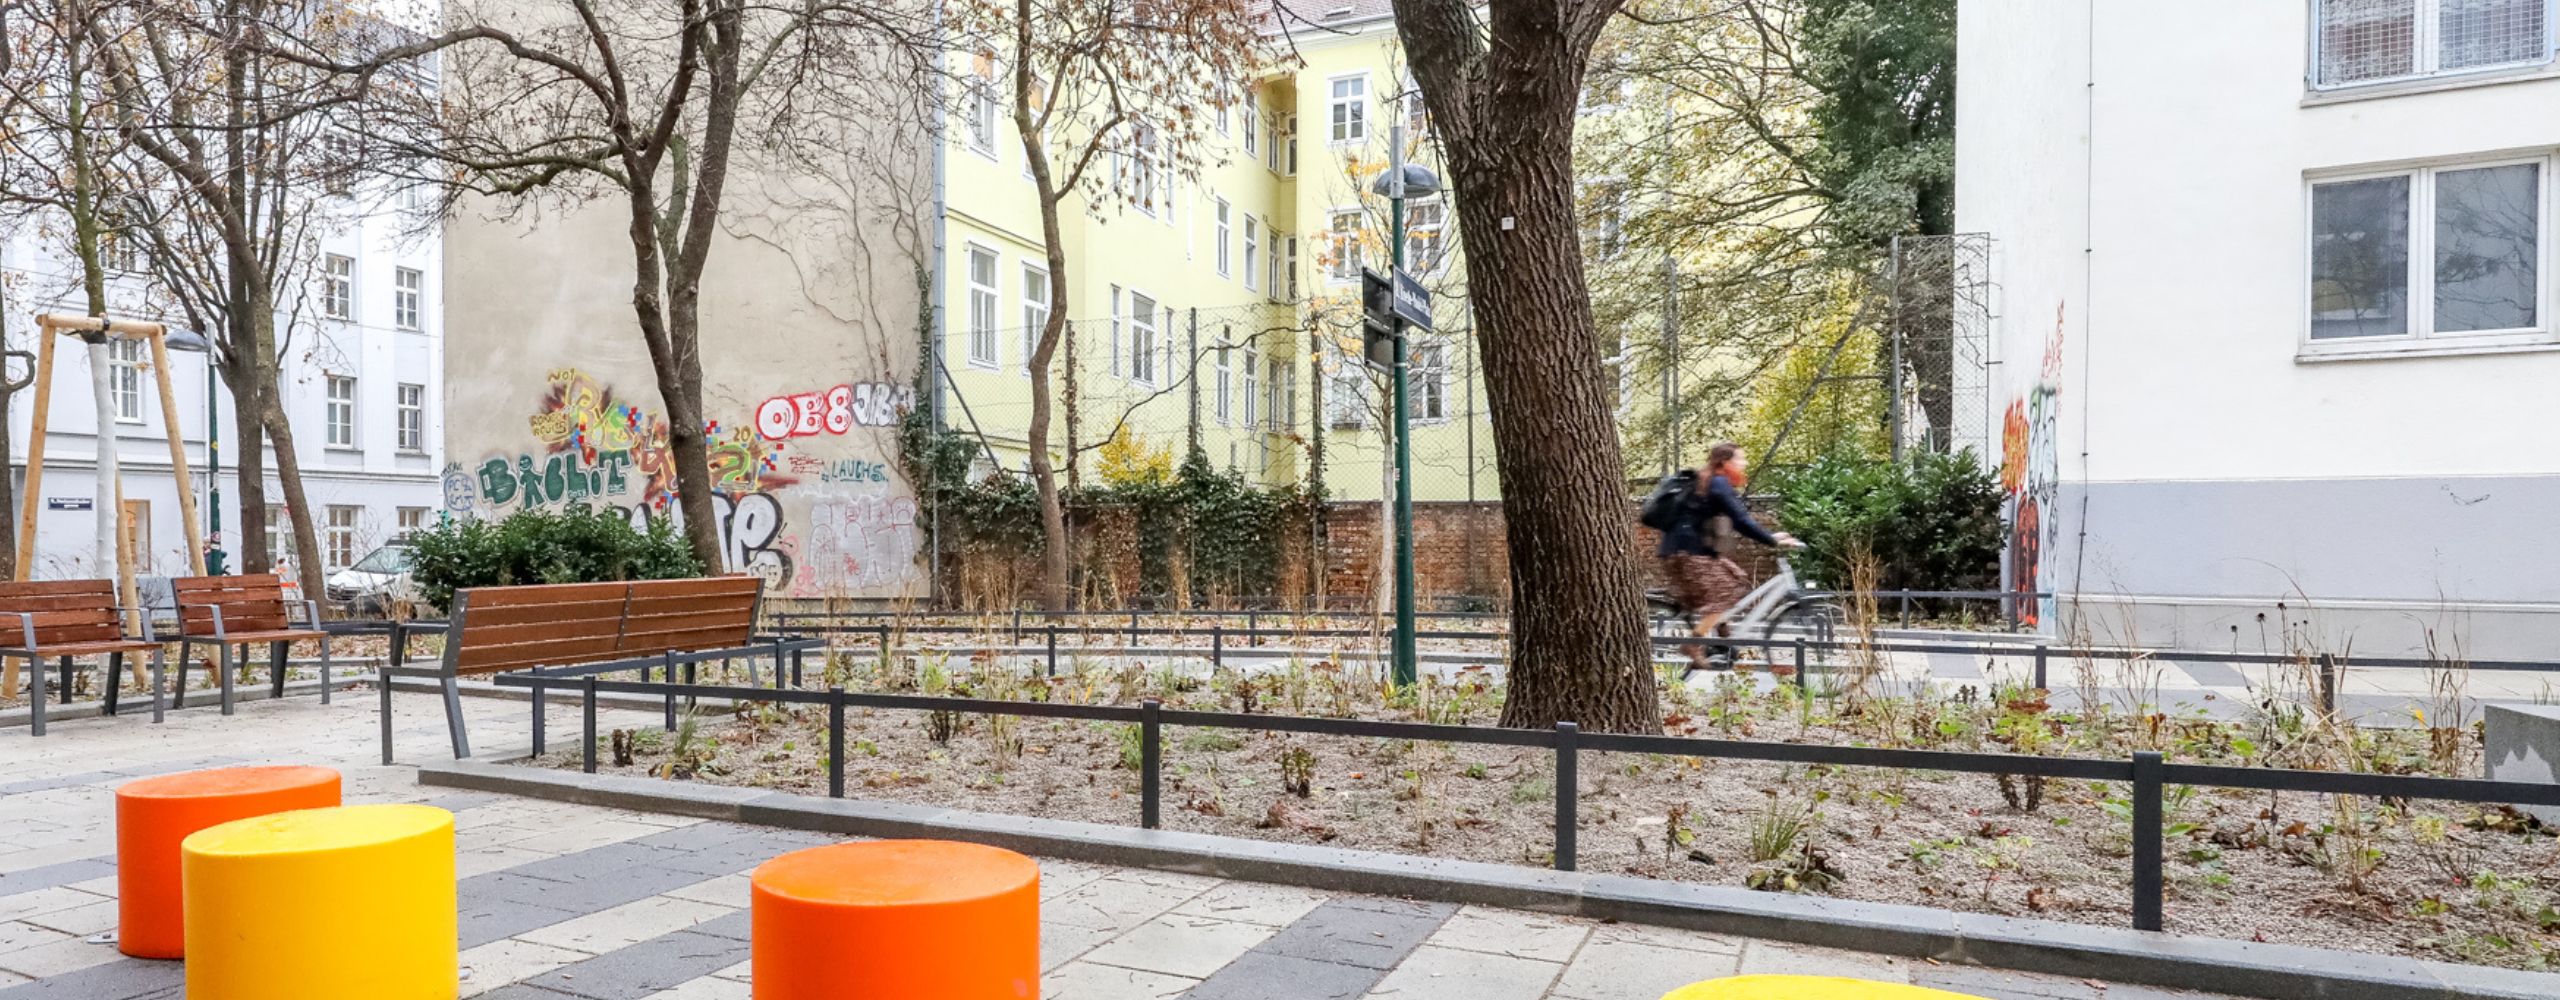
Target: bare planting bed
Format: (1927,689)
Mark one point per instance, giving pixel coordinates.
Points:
(2437,880)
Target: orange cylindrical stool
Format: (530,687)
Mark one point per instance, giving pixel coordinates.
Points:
(897,920)
(154,815)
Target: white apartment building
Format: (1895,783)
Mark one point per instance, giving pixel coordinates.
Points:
(362,383)
(2274,324)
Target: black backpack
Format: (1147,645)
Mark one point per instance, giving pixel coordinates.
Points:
(1662,509)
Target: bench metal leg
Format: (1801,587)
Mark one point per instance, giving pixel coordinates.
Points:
(275,669)
(114,680)
(453,718)
(324,670)
(222,659)
(186,657)
(35,697)
(159,680)
(66,679)
(382,683)
(538,709)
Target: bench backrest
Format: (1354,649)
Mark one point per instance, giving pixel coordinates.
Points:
(65,612)
(555,625)
(510,628)
(249,603)
(716,612)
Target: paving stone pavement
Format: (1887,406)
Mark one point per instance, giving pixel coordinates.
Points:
(564,901)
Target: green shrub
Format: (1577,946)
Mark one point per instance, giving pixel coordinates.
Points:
(1933,524)
(574,544)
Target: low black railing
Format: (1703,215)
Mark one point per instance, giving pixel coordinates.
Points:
(2147,772)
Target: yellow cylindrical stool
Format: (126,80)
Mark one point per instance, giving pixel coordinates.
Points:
(351,903)
(1806,988)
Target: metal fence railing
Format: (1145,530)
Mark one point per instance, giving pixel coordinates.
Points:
(2147,772)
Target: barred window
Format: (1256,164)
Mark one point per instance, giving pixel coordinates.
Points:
(2367,41)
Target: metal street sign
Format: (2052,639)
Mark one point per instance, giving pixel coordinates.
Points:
(1413,302)
(70,503)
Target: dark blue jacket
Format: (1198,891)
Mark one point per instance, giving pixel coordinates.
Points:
(1693,528)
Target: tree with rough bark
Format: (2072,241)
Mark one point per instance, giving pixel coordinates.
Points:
(658,106)
(1502,82)
(1110,101)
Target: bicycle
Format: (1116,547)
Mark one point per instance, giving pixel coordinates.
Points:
(1780,604)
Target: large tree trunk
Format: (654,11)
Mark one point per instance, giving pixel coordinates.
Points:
(249,466)
(310,560)
(1044,475)
(683,402)
(1505,112)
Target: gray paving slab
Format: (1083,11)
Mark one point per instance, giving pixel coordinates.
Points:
(63,873)
(644,969)
(1358,932)
(2212,675)
(1954,667)
(489,919)
(1262,975)
(122,979)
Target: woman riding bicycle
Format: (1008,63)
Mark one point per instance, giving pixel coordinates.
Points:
(1705,583)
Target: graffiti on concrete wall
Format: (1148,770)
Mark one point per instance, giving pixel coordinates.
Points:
(834,411)
(811,521)
(2030,469)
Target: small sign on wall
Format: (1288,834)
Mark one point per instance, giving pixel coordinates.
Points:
(70,503)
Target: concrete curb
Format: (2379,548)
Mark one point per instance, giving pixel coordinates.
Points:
(2276,972)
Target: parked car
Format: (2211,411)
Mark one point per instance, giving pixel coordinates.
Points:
(374,583)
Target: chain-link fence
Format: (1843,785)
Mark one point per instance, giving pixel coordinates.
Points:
(1939,326)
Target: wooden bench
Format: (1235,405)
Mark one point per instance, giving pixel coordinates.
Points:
(67,618)
(594,628)
(229,612)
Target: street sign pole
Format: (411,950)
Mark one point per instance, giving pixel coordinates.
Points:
(1405,665)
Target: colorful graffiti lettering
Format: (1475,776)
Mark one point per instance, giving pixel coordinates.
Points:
(460,494)
(558,478)
(2030,469)
(857,542)
(750,533)
(581,416)
(835,411)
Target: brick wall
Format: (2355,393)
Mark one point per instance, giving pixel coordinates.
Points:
(1459,558)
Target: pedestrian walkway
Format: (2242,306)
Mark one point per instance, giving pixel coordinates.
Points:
(564,901)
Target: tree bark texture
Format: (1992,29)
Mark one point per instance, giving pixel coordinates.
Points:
(1503,102)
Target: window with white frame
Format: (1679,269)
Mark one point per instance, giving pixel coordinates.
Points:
(339,537)
(1283,386)
(1142,338)
(341,411)
(982,307)
(1226,409)
(1035,310)
(1224,235)
(124,378)
(1430,371)
(1143,182)
(1289,164)
(279,534)
(982,103)
(1252,253)
(1346,392)
(1425,223)
(412,519)
(1349,109)
(1289,270)
(2446,253)
(1344,246)
(408,294)
(2371,41)
(1253,124)
(1252,390)
(1115,330)
(413,417)
(1273,140)
(338,286)
(1416,118)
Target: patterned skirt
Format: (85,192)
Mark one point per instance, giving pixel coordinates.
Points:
(1705,585)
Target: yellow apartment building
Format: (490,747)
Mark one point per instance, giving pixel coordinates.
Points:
(1227,299)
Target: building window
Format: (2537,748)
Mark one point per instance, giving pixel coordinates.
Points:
(413,417)
(1349,109)
(342,411)
(2467,239)
(412,519)
(1226,388)
(1430,372)
(1290,270)
(982,103)
(279,535)
(1416,118)
(408,289)
(1224,229)
(1424,223)
(1344,239)
(1141,168)
(1142,338)
(124,378)
(1253,123)
(340,537)
(982,307)
(338,286)
(2370,41)
(1346,392)
(1276,383)
(1115,330)
(1252,389)
(1289,165)
(1035,310)
(1252,253)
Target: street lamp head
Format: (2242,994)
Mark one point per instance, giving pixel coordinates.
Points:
(183,339)
(1419,182)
